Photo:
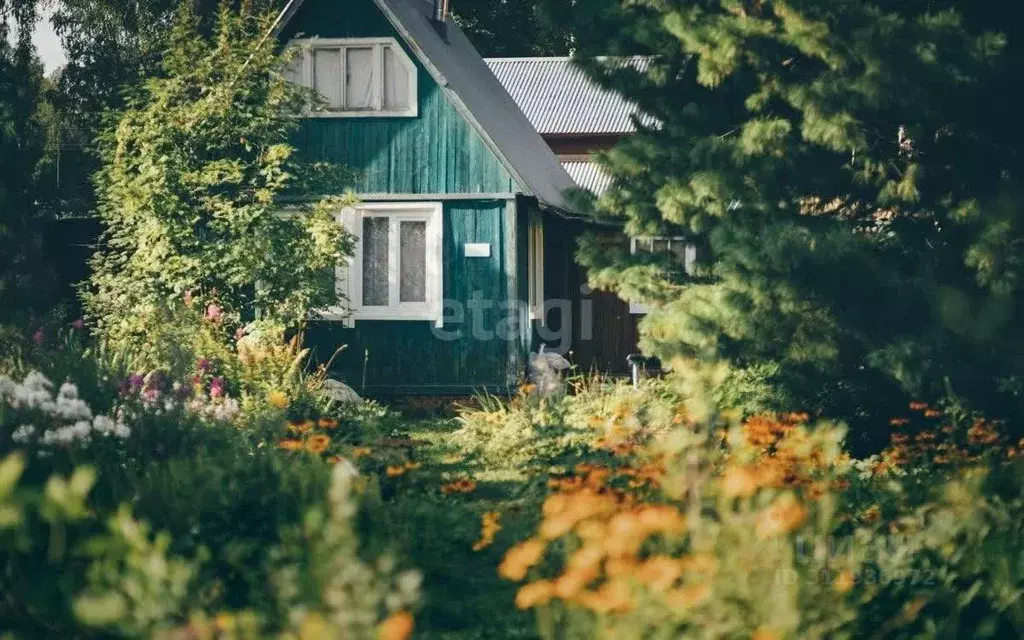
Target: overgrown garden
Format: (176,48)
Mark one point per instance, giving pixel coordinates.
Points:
(835,449)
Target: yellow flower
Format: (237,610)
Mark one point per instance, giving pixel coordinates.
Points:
(520,558)
(398,626)
(289,444)
(844,581)
(412,466)
(278,399)
(783,516)
(318,443)
(534,594)
(395,471)
(361,452)
(327,423)
(765,633)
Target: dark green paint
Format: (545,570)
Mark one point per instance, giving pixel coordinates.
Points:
(408,357)
(438,151)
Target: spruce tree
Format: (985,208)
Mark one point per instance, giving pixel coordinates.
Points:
(851,171)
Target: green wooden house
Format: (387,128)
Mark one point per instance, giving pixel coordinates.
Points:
(446,285)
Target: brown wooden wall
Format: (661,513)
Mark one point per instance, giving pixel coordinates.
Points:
(604,333)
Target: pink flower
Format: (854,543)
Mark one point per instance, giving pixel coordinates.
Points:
(217,387)
(214,312)
(39,336)
(239,333)
(78,324)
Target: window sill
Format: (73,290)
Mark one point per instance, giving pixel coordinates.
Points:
(361,114)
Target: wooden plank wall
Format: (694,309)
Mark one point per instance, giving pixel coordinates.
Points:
(401,357)
(435,152)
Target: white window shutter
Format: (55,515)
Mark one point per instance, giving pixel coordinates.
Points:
(343,272)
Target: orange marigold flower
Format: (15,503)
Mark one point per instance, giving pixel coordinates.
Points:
(462,485)
(932,413)
(611,597)
(361,452)
(394,471)
(703,563)
(318,443)
(327,423)
(398,626)
(918,405)
(739,482)
(534,594)
(661,519)
(899,422)
(687,597)
(784,515)
(572,581)
(289,444)
(412,466)
(844,581)
(659,572)
(333,459)
(489,527)
(585,558)
(520,558)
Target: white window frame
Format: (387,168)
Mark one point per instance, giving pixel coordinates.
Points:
(639,308)
(308,45)
(535,268)
(349,275)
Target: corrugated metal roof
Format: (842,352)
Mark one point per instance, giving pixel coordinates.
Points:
(588,175)
(558,97)
(460,71)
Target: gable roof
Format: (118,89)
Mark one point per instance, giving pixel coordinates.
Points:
(463,75)
(559,99)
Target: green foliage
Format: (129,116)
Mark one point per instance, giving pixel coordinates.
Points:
(191,191)
(24,278)
(515,27)
(847,172)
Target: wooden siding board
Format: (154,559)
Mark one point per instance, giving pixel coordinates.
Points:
(435,152)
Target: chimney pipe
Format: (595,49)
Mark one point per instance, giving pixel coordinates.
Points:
(441,11)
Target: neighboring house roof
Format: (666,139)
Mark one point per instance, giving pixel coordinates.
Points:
(588,175)
(460,71)
(559,98)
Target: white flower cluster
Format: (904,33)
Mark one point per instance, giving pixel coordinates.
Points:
(221,409)
(70,417)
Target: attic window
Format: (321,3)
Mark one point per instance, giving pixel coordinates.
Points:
(356,77)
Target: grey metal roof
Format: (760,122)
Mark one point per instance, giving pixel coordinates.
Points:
(588,175)
(559,98)
(460,71)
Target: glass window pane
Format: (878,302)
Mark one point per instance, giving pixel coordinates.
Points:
(660,245)
(359,78)
(396,81)
(413,256)
(327,75)
(293,70)
(375,262)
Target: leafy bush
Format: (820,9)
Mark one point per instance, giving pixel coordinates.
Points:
(190,192)
(765,528)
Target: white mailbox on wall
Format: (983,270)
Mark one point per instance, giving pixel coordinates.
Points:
(477,250)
